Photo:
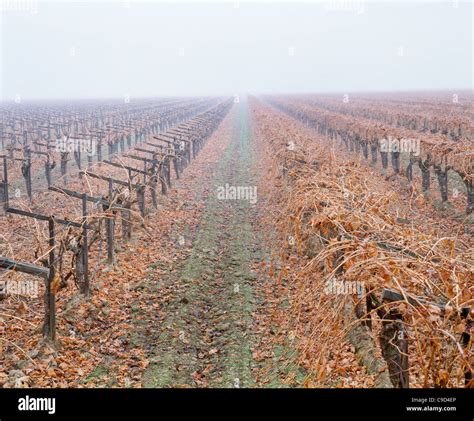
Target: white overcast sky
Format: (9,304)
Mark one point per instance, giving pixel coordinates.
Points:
(111,49)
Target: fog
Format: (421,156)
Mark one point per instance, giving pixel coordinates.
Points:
(105,49)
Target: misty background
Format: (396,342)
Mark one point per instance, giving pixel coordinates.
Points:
(128,48)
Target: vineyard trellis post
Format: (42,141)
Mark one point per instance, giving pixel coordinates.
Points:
(393,336)
(85,251)
(49,329)
(48,275)
(110,227)
(118,201)
(26,172)
(465,341)
(5,198)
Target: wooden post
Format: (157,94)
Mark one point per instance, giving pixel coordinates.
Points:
(90,152)
(64,160)
(127,214)
(409,169)
(176,168)
(99,150)
(394,345)
(26,172)
(168,172)
(396,161)
(442,175)
(425,173)
(465,340)
(126,221)
(153,184)
(141,199)
(110,227)
(5,184)
(164,187)
(85,254)
(48,167)
(77,154)
(49,327)
(470,195)
(187,150)
(13,265)
(384,159)
(48,275)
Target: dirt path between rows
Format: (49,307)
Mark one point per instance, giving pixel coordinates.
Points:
(205,332)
